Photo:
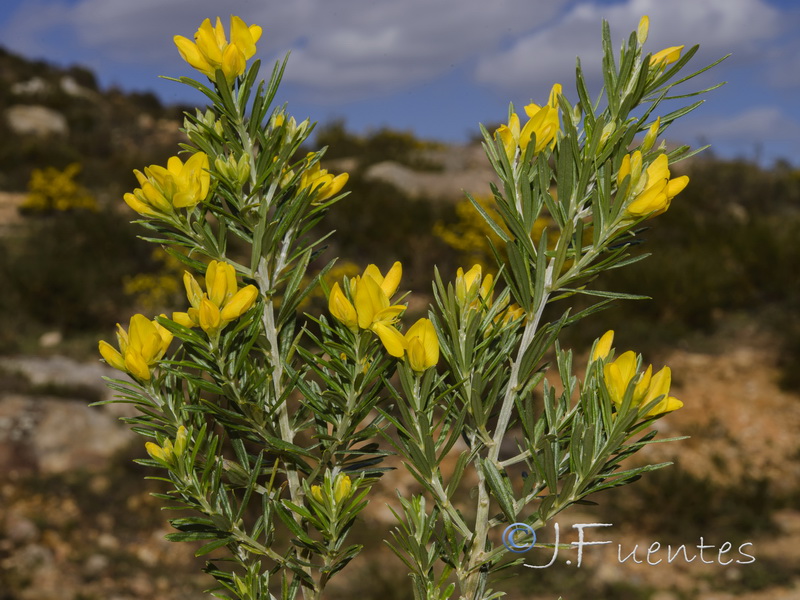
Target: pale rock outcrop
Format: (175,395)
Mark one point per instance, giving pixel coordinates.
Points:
(36,120)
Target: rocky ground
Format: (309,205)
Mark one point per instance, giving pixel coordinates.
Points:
(77,521)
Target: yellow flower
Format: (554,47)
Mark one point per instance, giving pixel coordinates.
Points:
(391,282)
(665,57)
(372,294)
(160,453)
(653,190)
(392,340)
(375,312)
(371,307)
(322,184)
(180,185)
(316,492)
(603,346)
(140,348)
(619,375)
(422,346)
(221,303)
(211,51)
(512,313)
(542,123)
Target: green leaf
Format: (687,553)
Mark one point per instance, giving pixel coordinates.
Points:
(501,489)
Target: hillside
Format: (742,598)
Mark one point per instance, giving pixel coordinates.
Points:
(53,116)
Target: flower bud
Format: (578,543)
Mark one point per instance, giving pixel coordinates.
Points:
(341,487)
(603,346)
(277,120)
(341,308)
(180,441)
(608,129)
(159,453)
(226,167)
(642,30)
(243,169)
(665,57)
(467,283)
(650,136)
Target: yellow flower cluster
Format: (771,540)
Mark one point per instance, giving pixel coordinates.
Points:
(372,292)
(542,125)
(221,303)
(323,185)
(474,290)
(662,58)
(155,290)
(651,191)
(52,189)
(180,185)
(372,309)
(211,50)
(470,234)
(140,348)
(169,451)
(468,283)
(623,372)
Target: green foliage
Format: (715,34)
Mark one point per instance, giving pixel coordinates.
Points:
(66,271)
(384,144)
(726,246)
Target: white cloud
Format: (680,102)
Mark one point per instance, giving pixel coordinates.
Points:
(364,47)
(723,26)
(757,124)
(341,49)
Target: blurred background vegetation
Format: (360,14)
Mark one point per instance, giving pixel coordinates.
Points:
(725,259)
(725,251)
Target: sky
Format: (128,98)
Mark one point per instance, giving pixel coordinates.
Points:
(440,67)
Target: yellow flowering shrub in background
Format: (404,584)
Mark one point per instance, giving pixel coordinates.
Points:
(155,291)
(55,190)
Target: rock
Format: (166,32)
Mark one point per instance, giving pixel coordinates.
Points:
(461,171)
(62,375)
(10,217)
(72,435)
(50,339)
(53,435)
(73,88)
(36,120)
(20,529)
(32,87)
(95,564)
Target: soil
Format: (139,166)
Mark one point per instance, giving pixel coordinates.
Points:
(735,483)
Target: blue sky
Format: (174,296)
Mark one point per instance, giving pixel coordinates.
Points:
(439,67)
